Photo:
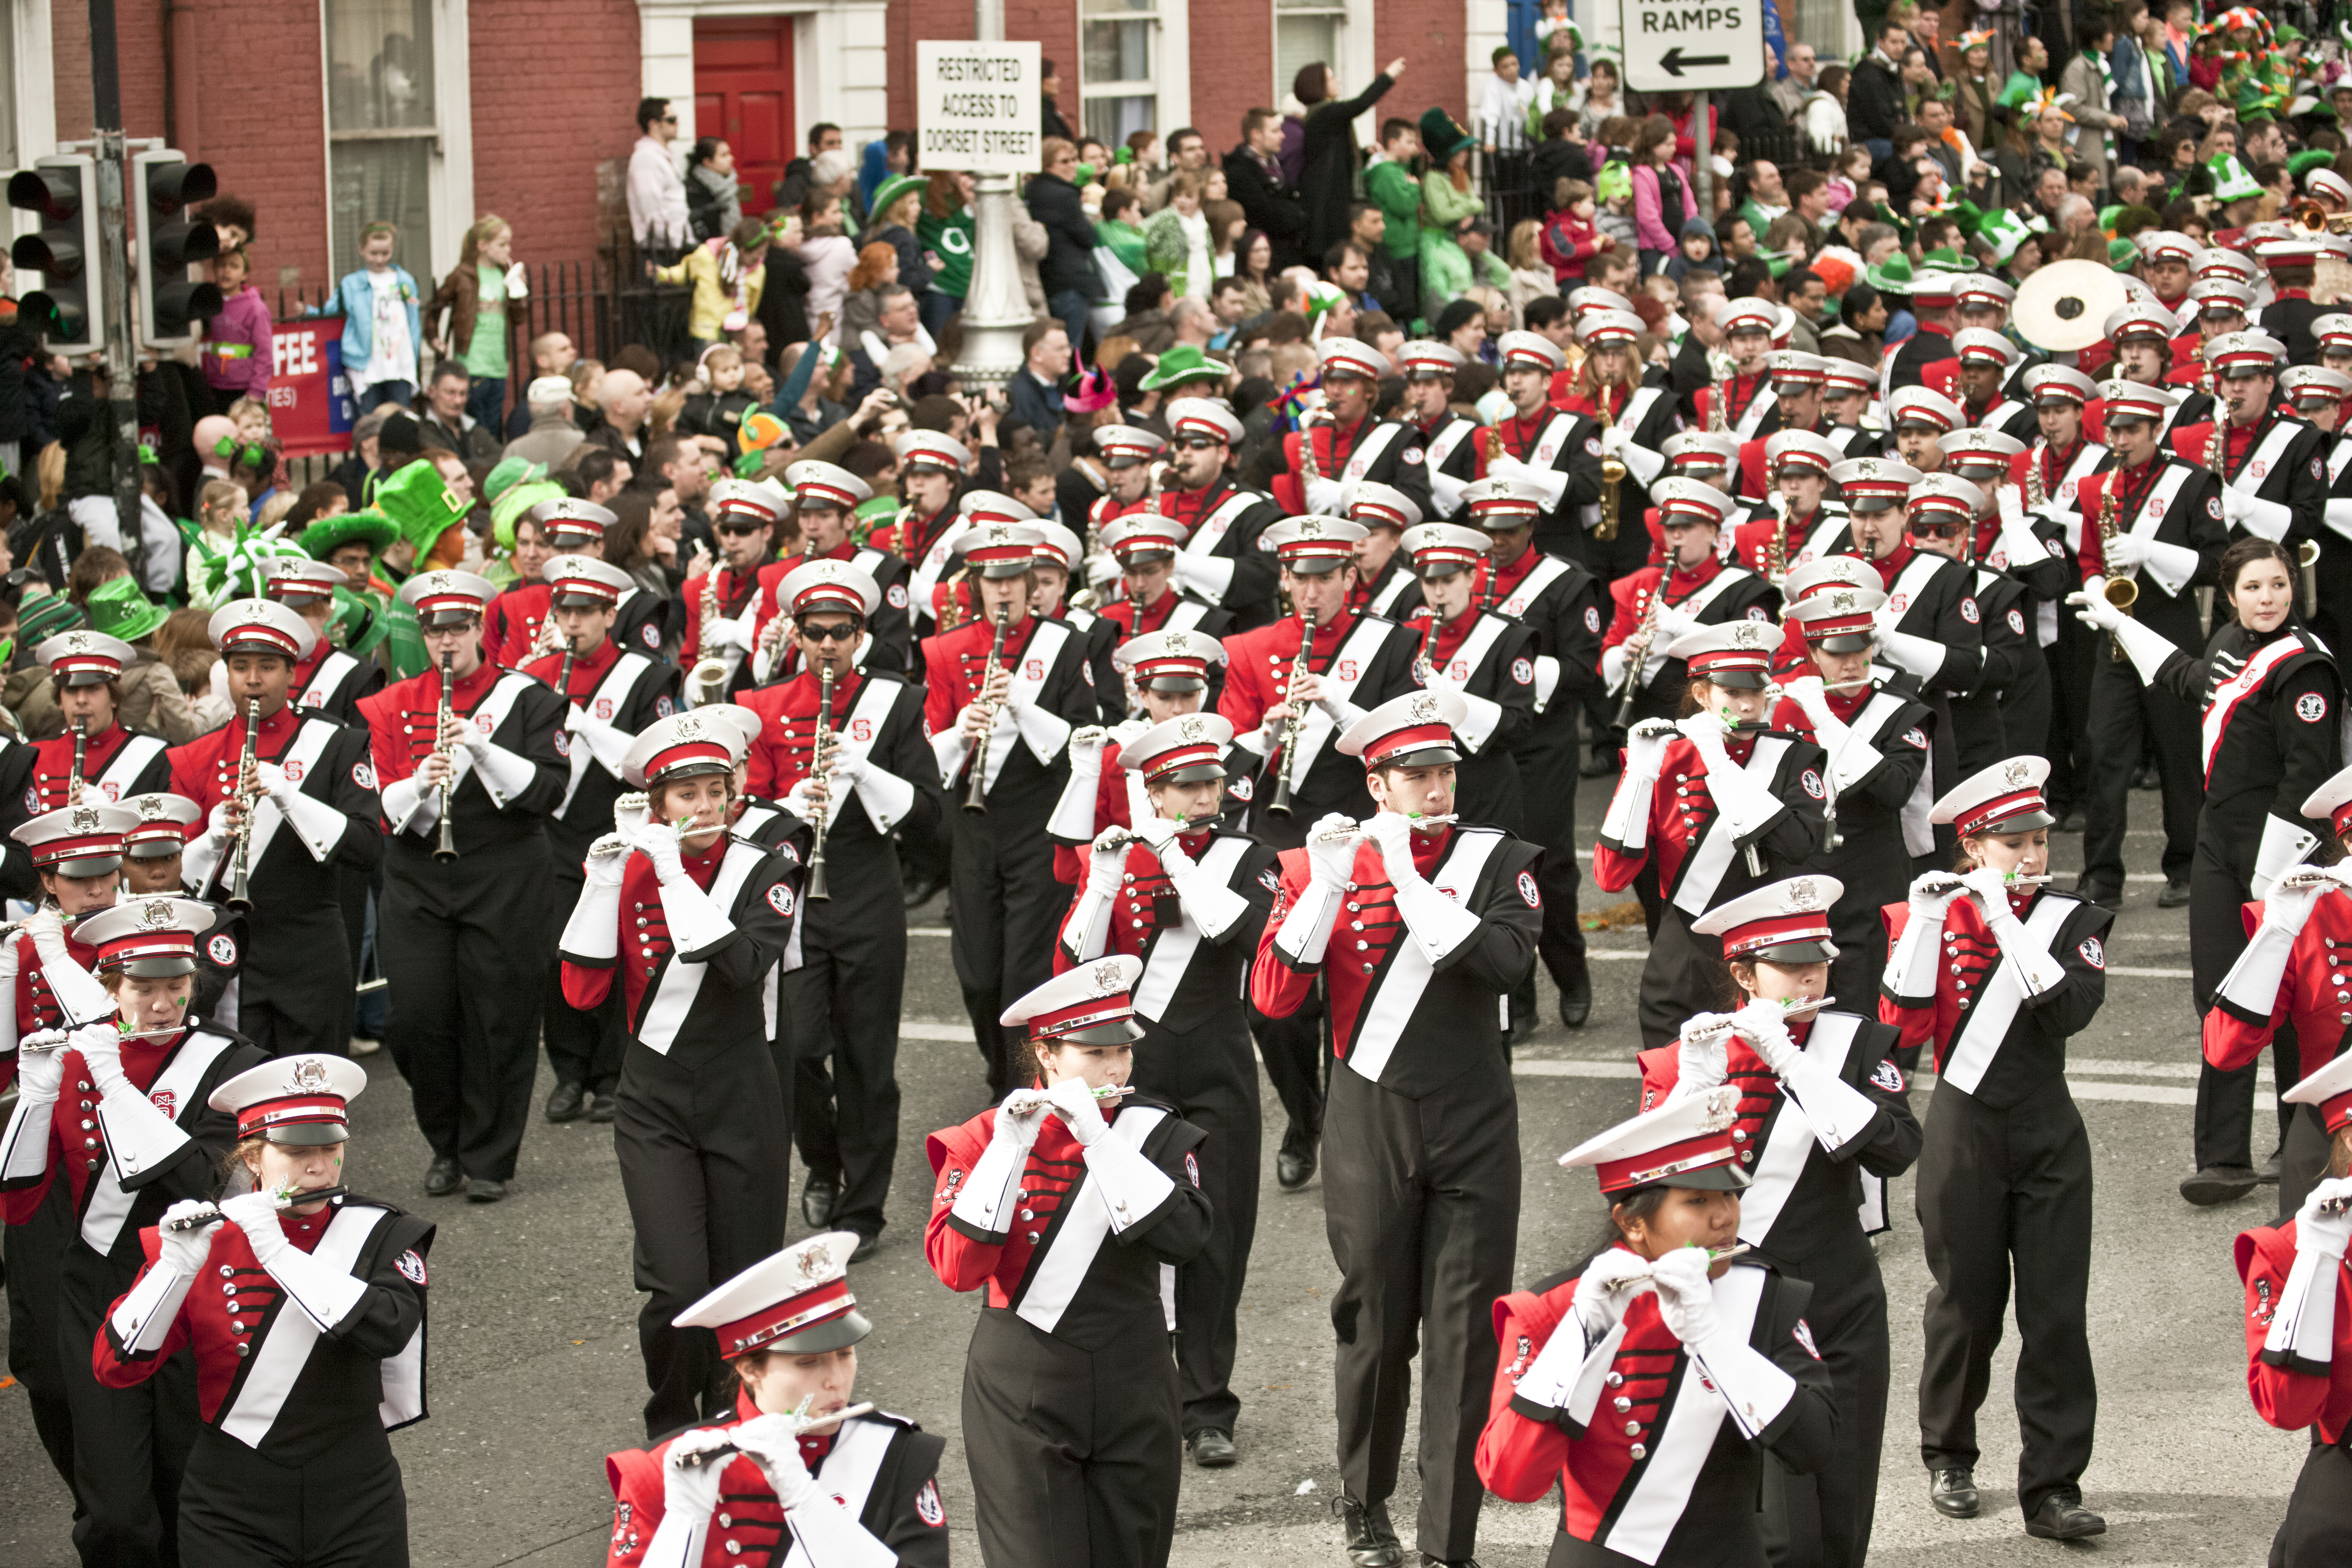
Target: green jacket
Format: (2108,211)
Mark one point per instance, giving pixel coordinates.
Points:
(949,239)
(1125,241)
(1390,186)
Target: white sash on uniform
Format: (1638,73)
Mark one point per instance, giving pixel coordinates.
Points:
(116,780)
(303,755)
(326,679)
(614,689)
(1998,1000)
(1362,643)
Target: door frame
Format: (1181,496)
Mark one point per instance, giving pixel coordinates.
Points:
(850,35)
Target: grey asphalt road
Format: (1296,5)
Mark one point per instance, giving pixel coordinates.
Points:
(535,1376)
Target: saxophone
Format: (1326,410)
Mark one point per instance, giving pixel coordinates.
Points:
(772,646)
(542,641)
(1612,469)
(2121,592)
(707,681)
(2037,495)
(1637,659)
(248,796)
(818,746)
(1718,396)
(1776,550)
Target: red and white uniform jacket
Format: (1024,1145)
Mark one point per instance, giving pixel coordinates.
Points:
(37,998)
(330,683)
(1415,976)
(1070,1240)
(1559,600)
(1363,660)
(1221,561)
(1750,409)
(739,601)
(1052,692)
(1196,930)
(498,802)
(1805,540)
(296,851)
(511,623)
(2303,978)
(1676,816)
(1655,1460)
(1386,451)
(2278,464)
(19,802)
(2167,502)
(1879,790)
(879,1472)
(889,642)
(326,1343)
(1999,1033)
(877,721)
(1100,793)
(2298,1315)
(612,696)
(2062,476)
(115,765)
(1711,594)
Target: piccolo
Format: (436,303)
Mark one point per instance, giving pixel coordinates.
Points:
(1946,881)
(34,1047)
(1788,1003)
(1121,838)
(1022,1101)
(284,1198)
(801,1421)
(1713,1257)
(2335,1205)
(1420,825)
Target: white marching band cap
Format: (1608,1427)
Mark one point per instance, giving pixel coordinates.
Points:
(1204,417)
(1689,449)
(1685,1142)
(1122,446)
(165,822)
(762,500)
(2245,354)
(1682,500)
(83,840)
(1503,504)
(297,577)
(1529,351)
(1874,484)
(583,581)
(683,745)
(1415,731)
(1747,314)
(1188,749)
(1829,571)
(1313,543)
(1979,344)
(1056,545)
(2129,400)
(797,1302)
(998,549)
(261,625)
(1442,549)
(826,485)
(2003,798)
(1800,449)
(1423,357)
(1923,406)
(1593,296)
(84,658)
(932,449)
(446,598)
(1345,356)
(149,938)
(1141,537)
(1091,1004)
(296,1101)
(1382,505)
(2314,384)
(2055,383)
(1600,329)
(828,585)
(1786,921)
(1737,654)
(1175,660)
(1839,618)
(570,514)
(2333,801)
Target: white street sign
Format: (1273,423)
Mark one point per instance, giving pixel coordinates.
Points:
(977,106)
(1682,46)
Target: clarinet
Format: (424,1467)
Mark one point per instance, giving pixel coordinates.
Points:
(80,752)
(247,798)
(975,793)
(445,848)
(1637,662)
(818,748)
(1299,670)
(564,670)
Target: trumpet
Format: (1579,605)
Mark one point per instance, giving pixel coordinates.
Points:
(283,1198)
(1300,668)
(818,746)
(802,1422)
(80,752)
(707,682)
(975,793)
(1356,830)
(248,796)
(445,848)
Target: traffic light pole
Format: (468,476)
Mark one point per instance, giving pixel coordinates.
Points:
(114,282)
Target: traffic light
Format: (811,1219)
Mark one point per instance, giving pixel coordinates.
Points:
(63,192)
(165,184)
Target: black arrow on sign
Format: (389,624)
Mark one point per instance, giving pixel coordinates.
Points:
(1675,60)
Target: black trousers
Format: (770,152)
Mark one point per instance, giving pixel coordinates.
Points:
(1548,765)
(1073,1454)
(1671,976)
(2302,1165)
(1824,1519)
(1207,1074)
(466,945)
(34,1254)
(1007,907)
(293,1026)
(1296,1058)
(2026,704)
(706,1162)
(2317,1529)
(843,1006)
(582,1046)
(1997,1187)
(1420,1200)
(2069,661)
(343,1507)
(2219,883)
(130,1445)
(294,990)
(2124,715)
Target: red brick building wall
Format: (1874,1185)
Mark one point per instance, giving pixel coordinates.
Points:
(555,83)
(1232,68)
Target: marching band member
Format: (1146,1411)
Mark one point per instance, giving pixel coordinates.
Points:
(1011,716)
(1546,448)
(1823,1119)
(86,668)
(2057,462)
(610,695)
(1352,663)
(1058,553)
(1988,362)
(953,602)
(313,802)
(1484,657)
(1873,733)
(1129,455)
(1999,971)
(1849,392)
(1710,1363)
(1070,1397)
(2290,259)
(1797,380)
(453,933)
(1351,442)
(824,499)
(1172,674)
(140,1072)
(1795,466)
(2271,701)
(1190,898)
(1659,604)
(1147,548)
(1417,929)
(1747,324)
(327,680)
(2064,452)
(2168,537)
(879,781)
(313,1351)
(2296,1320)
(1984,305)
(1711,460)
(1941,519)
(1746,808)
(1220,560)
(1927,358)
(76,855)
(2273,466)
(1641,421)
(2225,306)
(1449,440)
(700,1124)
(152,856)
(1920,418)
(2164,259)
(722,604)
(1559,601)
(2145,339)
(2321,395)
(1385,584)
(932,469)
(792,1476)
(514,625)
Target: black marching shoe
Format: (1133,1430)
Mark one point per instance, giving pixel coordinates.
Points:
(2267,1173)
(2219,1184)
(600,1106)
(1294,1163)
(818,1195)
(2062,1517)
(1954,1492)
(1597,766)
(565,1101)
(2175,895)
(442,1177)
(1212,1448)
(1372,1542)
(868,1245)
(485,1190)
(1429,1562)
(1576,995)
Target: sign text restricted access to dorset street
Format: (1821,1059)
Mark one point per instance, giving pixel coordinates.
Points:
(977,106)
(1693,44)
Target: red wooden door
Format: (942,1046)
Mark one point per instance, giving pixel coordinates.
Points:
(743,94)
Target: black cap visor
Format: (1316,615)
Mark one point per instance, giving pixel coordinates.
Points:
(309,1134)
(580,601)
(1316,566)
(1116,1032)
(1713,1179)
(833,1334)
(448,619)
(86,866)
(85,678)
(1190,772)
(1427,757)
(162,967)
(1844,642)
(1175,683)
(1792,953)
(256,645)
(1736,680)
(2024,822)
(1000,569)
(155,848)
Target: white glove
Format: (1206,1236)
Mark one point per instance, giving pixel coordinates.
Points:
(1700,1056)
(799,801)
(1614,440)
(41,1073)
(1990,888)
(1672,624)
(274,781)
(2091,607)
(185,1251)
(1765,1027)
(1932,893)
(1706,732)
(1107,862)
(256,1213)
(1334,862)
(1325,496)
(692,1491)
(1101,568)
(628,819)
(1019,1119)
(2316,1230)
(2288,906)
(1393,834)
(775,1446)
(45,925)
(1808,693)
(216,828)
(726,632)
(657,842)
(1159,836)
(1601,1301)
(1686,1295)
(2236,507)
(1075,1103)
(477,743)
(101,1051)
(2129,553)
(1645,748)
(602,870)
(1087,743)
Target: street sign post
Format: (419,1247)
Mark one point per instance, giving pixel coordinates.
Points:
(1692,45)
(977,108)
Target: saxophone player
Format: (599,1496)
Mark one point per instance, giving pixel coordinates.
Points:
(304,821)
(2273,462)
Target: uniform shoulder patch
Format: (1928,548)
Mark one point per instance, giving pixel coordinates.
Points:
(363,773)
(1756,613)
(1968,611)
(1915,738)
(1804,1336)
(222,949)
(649,635)
(927,1507)
(896,595)
(1241,787)
(1192,1169)
(779,898)
(2016,623)
(563,744)
(2092,953)
(1528,893)
(410,1266)
(2213,507)
(1411,455)
(1889,1076)
(1523,670)
(2311,707)
(663,706)
(1593,618)
(1270,879)
(2057,550)
(1814,785)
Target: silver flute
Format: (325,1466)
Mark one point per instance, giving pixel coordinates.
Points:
(1712,1256)
(283,1198)
(2316,877)
(801,1421)
(1945,881)
(1420,825)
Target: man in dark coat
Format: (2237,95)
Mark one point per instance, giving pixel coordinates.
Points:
(1253,178)
(1326,175)
(1874,100)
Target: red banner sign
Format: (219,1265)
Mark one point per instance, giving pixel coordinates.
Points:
(310,406)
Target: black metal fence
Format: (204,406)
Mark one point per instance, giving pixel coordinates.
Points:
(1508,184)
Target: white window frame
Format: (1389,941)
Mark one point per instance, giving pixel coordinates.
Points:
(449,152)
(1351,42)
(36,128)
(1170,85)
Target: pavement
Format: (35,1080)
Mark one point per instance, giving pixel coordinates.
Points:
(534,1373)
